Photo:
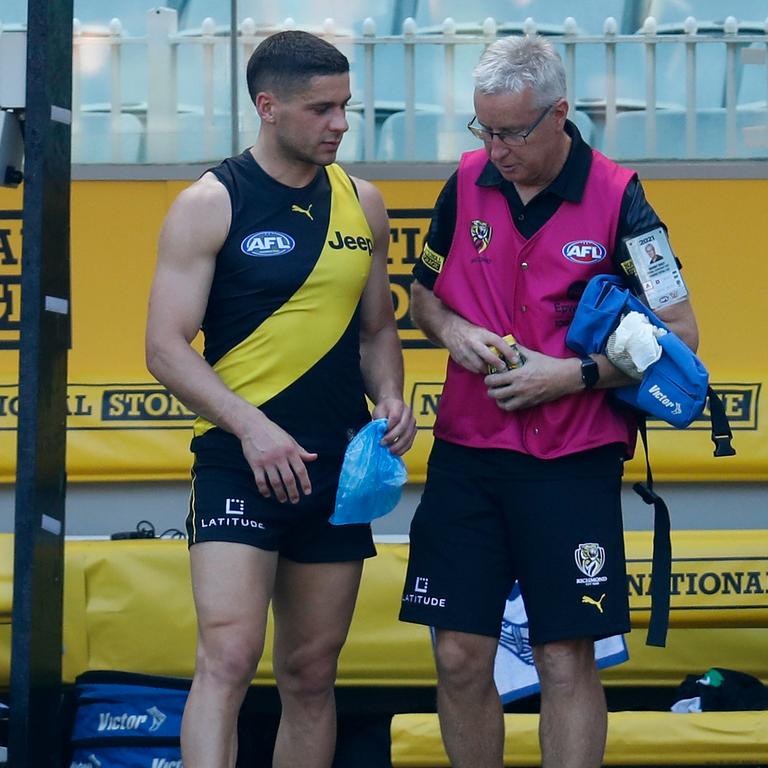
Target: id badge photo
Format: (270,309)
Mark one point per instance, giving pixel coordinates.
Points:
(656,268)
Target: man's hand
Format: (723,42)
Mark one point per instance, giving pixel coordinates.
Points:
(277,460)
(469,346)
(401,426)
(541,380)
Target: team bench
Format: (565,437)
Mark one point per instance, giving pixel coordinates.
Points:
(634,738)
(128,607)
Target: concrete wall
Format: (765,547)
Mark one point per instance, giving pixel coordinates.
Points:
(103,508)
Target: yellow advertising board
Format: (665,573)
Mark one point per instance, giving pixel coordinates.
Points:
(123,425)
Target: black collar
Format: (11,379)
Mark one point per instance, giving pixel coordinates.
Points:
(568,184)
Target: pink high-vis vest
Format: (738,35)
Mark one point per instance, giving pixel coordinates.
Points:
(497,279)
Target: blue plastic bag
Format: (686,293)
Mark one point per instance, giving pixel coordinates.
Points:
(371,478)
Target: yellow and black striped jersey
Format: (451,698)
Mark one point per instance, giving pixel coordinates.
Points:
(281,326)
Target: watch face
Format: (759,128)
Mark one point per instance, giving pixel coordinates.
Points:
(590,373)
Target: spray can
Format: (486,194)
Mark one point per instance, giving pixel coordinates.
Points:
(512,341)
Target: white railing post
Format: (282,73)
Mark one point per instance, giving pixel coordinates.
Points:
(369,104)
(449,66)
(489,31)
(731,29)
(409,51)
(529,27)
(609,30)
(249,121)
(570,28)
(162,118)
(651,41)
(691,125)
(447,148)
(208,40)
(116,91)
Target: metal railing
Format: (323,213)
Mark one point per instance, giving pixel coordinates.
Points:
(178,89)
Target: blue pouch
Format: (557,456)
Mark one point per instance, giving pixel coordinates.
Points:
(371,478)
(674,388)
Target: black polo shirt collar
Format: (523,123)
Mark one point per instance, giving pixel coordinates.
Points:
(568,184)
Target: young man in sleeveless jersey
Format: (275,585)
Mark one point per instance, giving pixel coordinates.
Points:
(281,259)
(524,478)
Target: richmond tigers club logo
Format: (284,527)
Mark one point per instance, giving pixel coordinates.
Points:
(590,558)
(481,232)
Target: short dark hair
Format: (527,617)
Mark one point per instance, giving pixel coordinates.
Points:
(285,62)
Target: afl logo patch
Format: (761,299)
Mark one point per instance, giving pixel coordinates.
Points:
(267,244)
(584,251)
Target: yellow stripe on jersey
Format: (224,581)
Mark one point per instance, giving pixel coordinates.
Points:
(308,325)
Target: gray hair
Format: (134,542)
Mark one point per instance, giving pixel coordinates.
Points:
(516,63)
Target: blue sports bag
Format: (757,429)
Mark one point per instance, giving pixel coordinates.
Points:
(674,388)
(124,720)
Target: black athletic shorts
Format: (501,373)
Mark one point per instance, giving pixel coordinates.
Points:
(225,505)
(488,517)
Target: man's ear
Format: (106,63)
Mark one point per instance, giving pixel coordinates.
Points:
(265,106)
(560,110)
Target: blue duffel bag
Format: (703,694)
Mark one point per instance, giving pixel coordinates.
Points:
(124,720)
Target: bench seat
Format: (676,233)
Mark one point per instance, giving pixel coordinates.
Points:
(634,738)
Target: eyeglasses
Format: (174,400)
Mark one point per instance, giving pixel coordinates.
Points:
(510,138)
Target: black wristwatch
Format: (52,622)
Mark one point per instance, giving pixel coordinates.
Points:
(590,373)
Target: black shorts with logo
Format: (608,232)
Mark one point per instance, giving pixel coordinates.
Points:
(225,505)
(488,517)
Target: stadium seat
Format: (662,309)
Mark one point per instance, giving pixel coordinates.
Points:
(674,11)
(95,141)
(307,15)
(133,15)
(710,135)
(584,124)
(352,147)
(753,83)
(589,16)
(437,137)
(442,139)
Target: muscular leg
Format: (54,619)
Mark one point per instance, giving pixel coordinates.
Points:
(313,605)
(574,719)
(471,716)
(232,585)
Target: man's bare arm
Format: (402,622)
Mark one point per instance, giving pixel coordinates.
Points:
(192,235)
(381,358)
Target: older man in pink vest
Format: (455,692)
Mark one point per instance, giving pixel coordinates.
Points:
(524,477)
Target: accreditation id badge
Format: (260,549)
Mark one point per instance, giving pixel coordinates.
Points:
(656,268)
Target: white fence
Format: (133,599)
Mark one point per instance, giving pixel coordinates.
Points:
(695,90)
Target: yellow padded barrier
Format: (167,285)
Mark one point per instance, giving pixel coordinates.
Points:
(74,658)
(634,738)
(128,606)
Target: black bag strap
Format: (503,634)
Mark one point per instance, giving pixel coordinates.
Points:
(721,429)
(661,564)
